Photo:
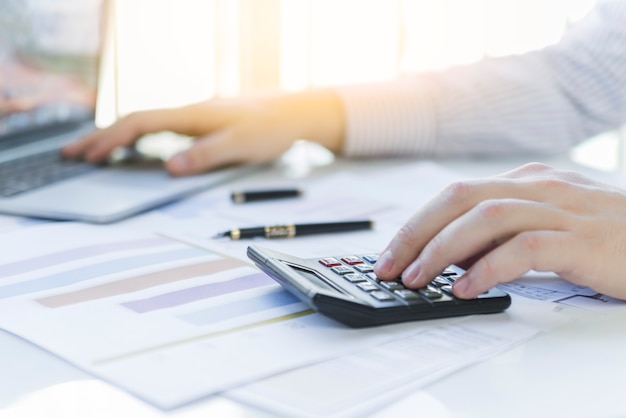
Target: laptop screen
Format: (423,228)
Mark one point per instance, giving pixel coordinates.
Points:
(49,59)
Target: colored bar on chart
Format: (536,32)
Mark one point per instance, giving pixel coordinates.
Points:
(193,294)
(141,282)
(85,273)
(241,308)
(48,260)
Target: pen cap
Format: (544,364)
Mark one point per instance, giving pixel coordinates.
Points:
(246,196)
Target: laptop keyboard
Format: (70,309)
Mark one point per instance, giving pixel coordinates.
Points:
(28,173)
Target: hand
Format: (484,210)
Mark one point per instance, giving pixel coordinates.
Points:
(253,130)
(531,218)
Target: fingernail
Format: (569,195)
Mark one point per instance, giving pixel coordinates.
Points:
(410,275)
(385,263)
(179,162)
(461,286)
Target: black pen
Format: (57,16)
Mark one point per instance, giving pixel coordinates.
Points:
(246,196)
(293,230)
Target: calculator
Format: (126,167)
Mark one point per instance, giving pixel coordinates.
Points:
(345,288)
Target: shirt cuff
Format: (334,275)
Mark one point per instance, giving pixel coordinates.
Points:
(389,119)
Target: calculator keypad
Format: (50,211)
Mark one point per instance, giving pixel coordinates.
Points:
(359,271)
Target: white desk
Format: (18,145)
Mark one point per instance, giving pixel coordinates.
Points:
(576,371)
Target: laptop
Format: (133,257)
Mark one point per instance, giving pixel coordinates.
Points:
(50,61)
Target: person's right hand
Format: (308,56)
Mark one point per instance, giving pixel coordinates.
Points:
(531,218)
(226,132)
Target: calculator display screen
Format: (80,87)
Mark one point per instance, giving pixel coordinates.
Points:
(314,279)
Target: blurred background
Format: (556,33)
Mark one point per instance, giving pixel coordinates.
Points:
(168,53)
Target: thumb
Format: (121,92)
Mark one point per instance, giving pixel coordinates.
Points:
(180,164)
(205,154)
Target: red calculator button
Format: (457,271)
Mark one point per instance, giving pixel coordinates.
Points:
(351,259)
(330,262)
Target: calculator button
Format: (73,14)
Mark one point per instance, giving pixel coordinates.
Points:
(330,262)
(382,296)
(352,260)
(430,292)
(448,272)
(452,279)
(392,285)
(363,268)
(368,287)
(407,294)
(446,288)
(372,276)
(441,281)
(354,278)
(341,270)
(372,259)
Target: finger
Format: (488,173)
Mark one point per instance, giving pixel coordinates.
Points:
(460,197)
(555,251)
(408,242)
(97,146)
(487,224)
(206,154)
(533,169)
(533,172)
(247,143)
(445,207)
(186,163)
(77,148)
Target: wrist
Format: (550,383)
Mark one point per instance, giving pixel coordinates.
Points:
(317,116)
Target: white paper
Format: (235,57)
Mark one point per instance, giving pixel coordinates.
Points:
(367,380)
(168,322)
(172,323)
(550,287)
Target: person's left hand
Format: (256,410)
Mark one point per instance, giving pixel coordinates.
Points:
(531,218)
(240,130)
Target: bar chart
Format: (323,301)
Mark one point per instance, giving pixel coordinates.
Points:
(157,316)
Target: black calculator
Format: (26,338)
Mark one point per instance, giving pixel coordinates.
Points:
(346,289)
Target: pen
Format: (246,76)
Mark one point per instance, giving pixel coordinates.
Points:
(293,230)
(245,196)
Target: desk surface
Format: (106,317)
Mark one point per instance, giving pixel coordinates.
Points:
(576,370)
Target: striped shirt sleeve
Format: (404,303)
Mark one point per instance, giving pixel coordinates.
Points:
(544,101)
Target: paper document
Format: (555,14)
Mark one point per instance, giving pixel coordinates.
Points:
(337,197)
(168,322)
(370,379)
(175,317)
(551,288)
